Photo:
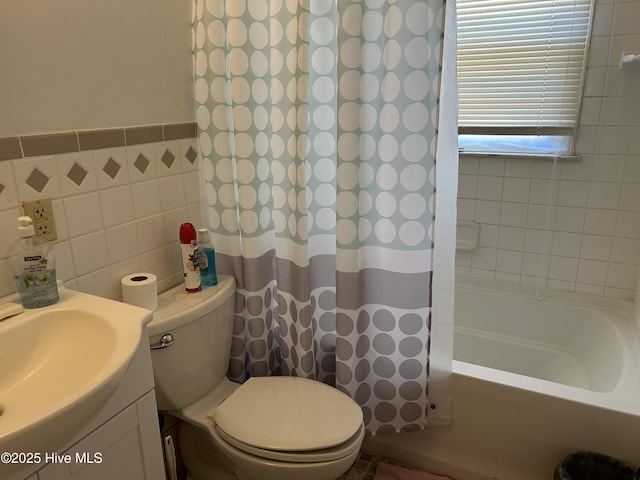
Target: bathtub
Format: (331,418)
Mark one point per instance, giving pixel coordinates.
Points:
(536,375)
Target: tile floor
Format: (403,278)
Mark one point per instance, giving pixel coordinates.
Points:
(364,468)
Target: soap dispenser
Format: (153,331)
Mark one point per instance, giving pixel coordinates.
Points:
(33,264)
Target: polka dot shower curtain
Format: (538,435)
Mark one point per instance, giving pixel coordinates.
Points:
(318,126)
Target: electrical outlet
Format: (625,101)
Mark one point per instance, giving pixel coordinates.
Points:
(41,212)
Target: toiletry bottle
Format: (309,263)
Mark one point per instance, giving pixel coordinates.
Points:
(33,264)
(190,257)
(207,258)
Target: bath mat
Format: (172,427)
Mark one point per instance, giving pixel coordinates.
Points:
(384,471)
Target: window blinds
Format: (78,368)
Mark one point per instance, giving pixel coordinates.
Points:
(520,65)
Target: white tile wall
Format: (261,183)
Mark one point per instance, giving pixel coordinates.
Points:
(108,227)
(574,225)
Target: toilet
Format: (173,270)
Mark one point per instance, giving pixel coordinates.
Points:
(268,428)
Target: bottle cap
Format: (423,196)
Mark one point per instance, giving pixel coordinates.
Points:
(187,233)
(203,236)
(25,227)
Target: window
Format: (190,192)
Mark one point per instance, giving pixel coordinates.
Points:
(520,73)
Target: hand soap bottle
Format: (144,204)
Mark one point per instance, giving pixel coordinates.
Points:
(33,264)
(207,258)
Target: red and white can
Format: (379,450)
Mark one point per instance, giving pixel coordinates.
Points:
(190,257)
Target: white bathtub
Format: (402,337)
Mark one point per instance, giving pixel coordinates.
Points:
(565,343)
(534,378)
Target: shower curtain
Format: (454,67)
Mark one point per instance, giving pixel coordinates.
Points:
(318,123)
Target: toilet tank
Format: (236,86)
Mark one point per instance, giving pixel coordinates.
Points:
(201,325)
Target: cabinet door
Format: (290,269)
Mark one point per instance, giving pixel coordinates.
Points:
(124,447)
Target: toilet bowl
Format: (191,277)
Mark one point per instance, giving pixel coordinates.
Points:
(269,428)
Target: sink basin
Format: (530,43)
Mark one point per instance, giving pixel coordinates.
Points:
(59,365)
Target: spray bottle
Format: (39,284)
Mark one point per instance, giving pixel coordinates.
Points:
(190,257)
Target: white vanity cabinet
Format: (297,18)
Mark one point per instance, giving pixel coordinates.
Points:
(123,439)
(121,448)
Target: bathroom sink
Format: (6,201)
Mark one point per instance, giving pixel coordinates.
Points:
(59,365)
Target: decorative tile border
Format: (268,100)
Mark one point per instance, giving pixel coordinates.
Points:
(12,148)
(148,134)
(95,139)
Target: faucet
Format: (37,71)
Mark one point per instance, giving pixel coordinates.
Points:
(9,310)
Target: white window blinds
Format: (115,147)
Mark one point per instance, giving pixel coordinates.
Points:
(521,65)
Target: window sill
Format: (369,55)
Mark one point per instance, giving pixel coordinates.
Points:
(519,156)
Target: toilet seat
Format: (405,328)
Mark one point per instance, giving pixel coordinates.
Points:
(290,419)
(306,456)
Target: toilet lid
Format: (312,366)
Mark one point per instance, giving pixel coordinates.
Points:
(288,414)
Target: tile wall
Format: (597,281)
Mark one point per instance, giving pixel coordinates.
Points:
(119,196)
(576,225)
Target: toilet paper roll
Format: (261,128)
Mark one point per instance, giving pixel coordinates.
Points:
(141,290)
